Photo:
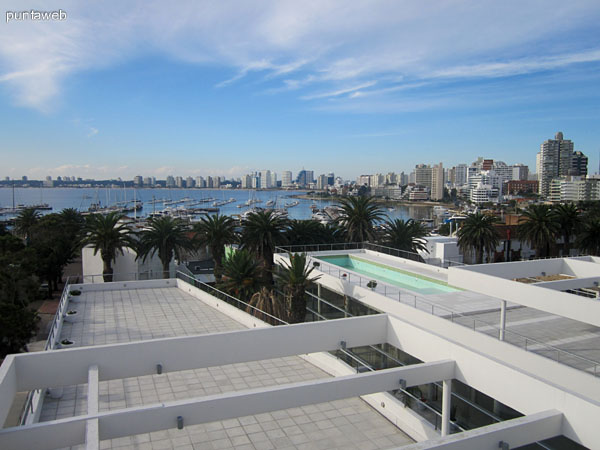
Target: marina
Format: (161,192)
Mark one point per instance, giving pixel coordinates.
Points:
(185,203)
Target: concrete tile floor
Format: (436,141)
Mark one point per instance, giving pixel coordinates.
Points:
(125,316)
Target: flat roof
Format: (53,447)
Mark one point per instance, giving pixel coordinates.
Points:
(118,316)
(541,330)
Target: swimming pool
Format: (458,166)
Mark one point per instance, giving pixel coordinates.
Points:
(391,275)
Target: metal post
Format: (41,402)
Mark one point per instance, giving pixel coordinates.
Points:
(446,400)
(319,298)
(502,319)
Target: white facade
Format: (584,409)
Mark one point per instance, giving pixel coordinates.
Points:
(286,178)
(125,266)
(437,182)
(483,193)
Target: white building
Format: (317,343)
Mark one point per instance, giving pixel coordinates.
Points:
(427,357)
(484,193)
(437,182)
(265,179)
(574,189)
(286,178)
(460,174)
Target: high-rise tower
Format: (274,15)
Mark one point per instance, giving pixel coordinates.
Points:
(555,158)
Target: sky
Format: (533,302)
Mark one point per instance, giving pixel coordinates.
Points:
(153,88)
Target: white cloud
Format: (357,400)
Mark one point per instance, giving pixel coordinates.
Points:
(320,46)
(338,92)
(93,132)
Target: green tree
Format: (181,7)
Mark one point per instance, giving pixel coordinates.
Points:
(333,233)
(56,242)
(539,228)
(304,232)
(216,232)
(295,278)
(18,287)
(265,301)
(569,220)
(358,217)
(167,236)
(240,275)
(478,234)
(405,235)
(25,221)
(588,237)
(107,235)
(262,232)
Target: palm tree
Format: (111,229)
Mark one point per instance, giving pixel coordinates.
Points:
(166,235)
(405,235)
(568,218)
(216,232)
(539,228)
(240,274)
(25,221)
(262,232)
(478,234)
(265,301)
(295,278)
(358,217)
(109,237)
(588,238)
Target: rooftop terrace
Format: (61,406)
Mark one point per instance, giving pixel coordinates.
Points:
(165,364)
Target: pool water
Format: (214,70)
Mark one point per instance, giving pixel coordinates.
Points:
(391,275)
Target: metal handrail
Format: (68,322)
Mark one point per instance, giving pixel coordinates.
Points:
(209,289)
(34,395)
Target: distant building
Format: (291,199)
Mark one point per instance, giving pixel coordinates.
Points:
(515,187)
(437,182)
(190,183)
(484,193)
(286,178)
(200,183)
(322,181)
(246,182)
(555,160)
(138,180)
(574,189)
(170,181)
(423,175)
(579,163)
(330,179)
(520,172)
(265,179)
(305,178)
(363,180)
(417,193)
(179,182)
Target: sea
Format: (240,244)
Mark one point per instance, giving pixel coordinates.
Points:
(82,198)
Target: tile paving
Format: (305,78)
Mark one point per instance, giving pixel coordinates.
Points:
(125,316)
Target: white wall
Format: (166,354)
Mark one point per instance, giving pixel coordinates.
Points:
(125,266)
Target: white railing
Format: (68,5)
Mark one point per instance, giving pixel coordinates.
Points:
(34,398)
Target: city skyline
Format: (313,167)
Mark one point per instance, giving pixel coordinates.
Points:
(230,89)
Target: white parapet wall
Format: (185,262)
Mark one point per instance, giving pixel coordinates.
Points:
(498,280)
(396,412)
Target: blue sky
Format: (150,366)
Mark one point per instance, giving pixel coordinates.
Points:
(223,88)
